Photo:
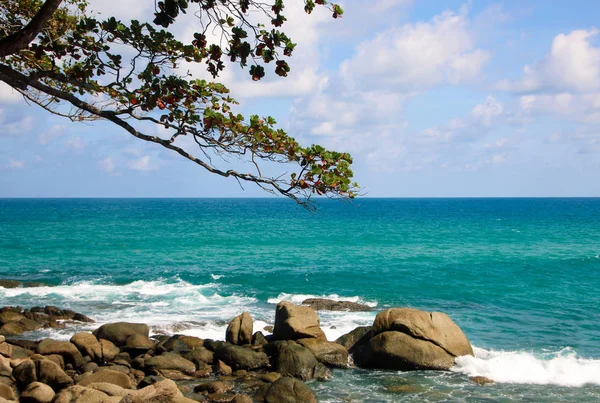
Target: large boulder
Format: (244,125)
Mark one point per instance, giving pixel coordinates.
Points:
(238,357)
(178,343)
(434,327)
(44,371)
(409,339)
(7,392)
(294,322)
(323,304)
(119,332)
(240,330)
(170,361)
(327,352)
(291,359)
(105,375)
(289,390)
(67,350)
(81,394)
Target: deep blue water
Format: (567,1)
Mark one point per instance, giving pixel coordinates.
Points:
(520,276)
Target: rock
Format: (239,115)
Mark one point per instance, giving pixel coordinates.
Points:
(258,339)
(166,389)
(109,351)
(434,327)
(87,343)
(44,371)
(222,369)
(6,392)
(323,304)
(358,337)
(327,352)
(105,375)
(118,333)
(289,390)
(242,399)
(10,283)
(37,392)
(293,360)
(64,348)
(179,343)
(270,377)
(81,394)
(238,357)
(14,352)
(399,351)
(11,316)
(199,355)
(294,322)
(214,387)
(12,329)
(482,380)
(405,388)
(5,368)
(171,361)
(240,330)
(139,342)
(110,389)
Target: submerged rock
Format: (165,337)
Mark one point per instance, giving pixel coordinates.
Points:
(323,304)
(482,380)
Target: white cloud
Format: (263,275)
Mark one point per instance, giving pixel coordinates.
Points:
(16,164)
(75,144)
(142,164)
(8,95)
(572,65)
(14,126)
(418,56)
(53,133)
(107,165)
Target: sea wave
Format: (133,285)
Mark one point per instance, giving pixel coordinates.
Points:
(299,298)
(562,368)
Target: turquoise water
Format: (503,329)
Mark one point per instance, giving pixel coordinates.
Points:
(520,276)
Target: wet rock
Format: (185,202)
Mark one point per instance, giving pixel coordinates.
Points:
(214,387)
(323,304)
(326,352)
(242,399)
(270,377)
(259,339)
(118,333)
(199,355)
(238,357)
(294,322)
(240,330)
(289,390)
(222,369)
(481,380)
(37,392)
(293,360)
(357,337)
(179,343)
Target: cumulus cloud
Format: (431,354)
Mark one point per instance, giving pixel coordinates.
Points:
(573,65)
(14,125)
(8,95)
(53,133)
(16,164)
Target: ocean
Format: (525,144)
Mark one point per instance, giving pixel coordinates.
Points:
(521,277)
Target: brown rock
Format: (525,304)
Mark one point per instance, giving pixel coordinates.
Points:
(293,360)
(12,329)
(240,330)
(7,392)
(327,352)
(238,357)
(434,327)
(242,399)
(323,304)
(482,380)
(294,322)
(170,361)
(37,392)
(214,387)
(81,394)
(222,369)
(139,342)
(289,390)
(105,375)
(357,337)
(199,355)
(119,332)
(64,348)
(270,377)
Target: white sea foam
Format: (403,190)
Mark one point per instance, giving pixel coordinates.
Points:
(562,368)
(216,276)
(298,298)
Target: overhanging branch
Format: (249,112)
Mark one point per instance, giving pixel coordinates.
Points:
(19,40)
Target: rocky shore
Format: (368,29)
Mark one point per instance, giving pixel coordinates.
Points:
(121,363)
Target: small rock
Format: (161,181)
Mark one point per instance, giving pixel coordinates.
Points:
(214,387)
(323,304)
(37,392)
(482,380)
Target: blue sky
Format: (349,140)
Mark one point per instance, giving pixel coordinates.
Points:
(432,98)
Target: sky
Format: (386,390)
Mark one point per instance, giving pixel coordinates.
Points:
(432,99)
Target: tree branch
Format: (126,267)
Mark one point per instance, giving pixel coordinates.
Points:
(19,40)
